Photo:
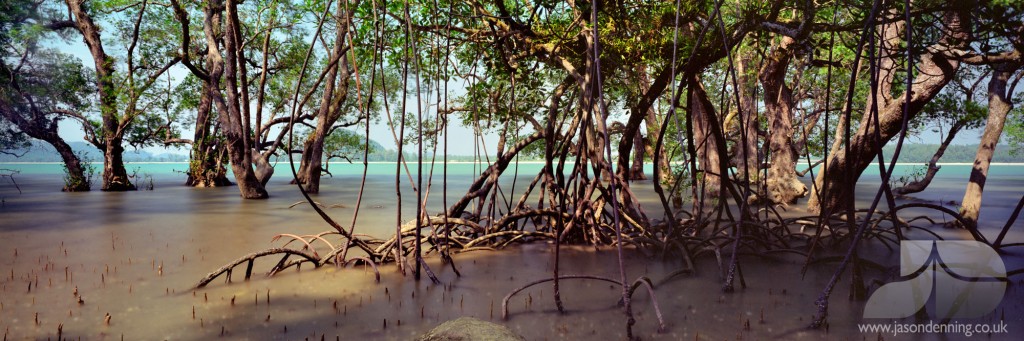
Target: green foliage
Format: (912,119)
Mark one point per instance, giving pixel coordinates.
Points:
(52,79)
(202,157)
(1014,130)
(348,145)
(79,182)
(145,180)
(679,184)
(39,84)
(186,96)
(961,103)
(11,140)
(22,21)
(914,175)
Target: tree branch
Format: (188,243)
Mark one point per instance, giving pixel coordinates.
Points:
(58,25)
(974,58)
(182,17)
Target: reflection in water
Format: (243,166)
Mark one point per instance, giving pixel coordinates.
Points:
(135,256)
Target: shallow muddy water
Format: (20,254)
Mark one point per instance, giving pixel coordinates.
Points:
(136,256)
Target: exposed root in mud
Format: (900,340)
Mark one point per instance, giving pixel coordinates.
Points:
(809,237)
(250,258)
(593,212)
(646,282)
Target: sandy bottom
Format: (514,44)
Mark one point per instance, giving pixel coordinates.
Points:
(136,256)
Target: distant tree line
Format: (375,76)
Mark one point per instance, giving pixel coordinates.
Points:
(957,153)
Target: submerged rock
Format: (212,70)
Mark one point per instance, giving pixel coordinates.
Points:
(470,329)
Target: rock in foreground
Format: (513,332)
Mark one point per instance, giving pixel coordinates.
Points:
(470,329)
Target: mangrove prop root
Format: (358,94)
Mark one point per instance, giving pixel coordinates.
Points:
(504,302)
(447,258)
(376,271)
(1006,228)
(514,233)
(426,268)
(294,238)
(251,257)
(590,222)
(646,282)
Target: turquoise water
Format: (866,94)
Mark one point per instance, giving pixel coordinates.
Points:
(105,231)
(171,168)
(955,170)
(461,168)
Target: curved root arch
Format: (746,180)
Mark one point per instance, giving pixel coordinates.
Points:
(251,258)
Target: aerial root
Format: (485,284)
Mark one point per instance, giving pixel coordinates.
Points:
(697,238)
(252,257)
(430,273)
(504,302)
(643,280)
(646,282)
(294,238)
(515,233)
(366,260)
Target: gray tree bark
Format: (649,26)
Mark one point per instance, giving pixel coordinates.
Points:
(745,154)
(335,93)
(706,146)
(782,183)
(229,112)
(998,106)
